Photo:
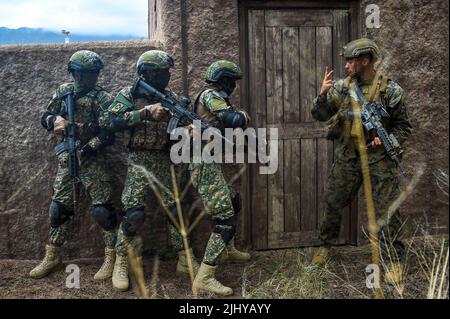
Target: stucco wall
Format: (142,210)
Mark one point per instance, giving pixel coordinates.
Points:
(414,38)
(28,76)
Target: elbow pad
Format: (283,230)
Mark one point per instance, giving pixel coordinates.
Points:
(233,119)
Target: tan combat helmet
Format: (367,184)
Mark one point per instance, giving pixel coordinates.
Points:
(359,47)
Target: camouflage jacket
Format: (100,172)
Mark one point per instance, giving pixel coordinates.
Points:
(145,133)
(89,110)
(334,107)
(210,104)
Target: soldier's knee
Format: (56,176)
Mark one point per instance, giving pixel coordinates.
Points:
(133,220)
(59,214)
(226,228)
(105,216)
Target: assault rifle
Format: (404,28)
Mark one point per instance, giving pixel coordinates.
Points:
(70,143)
(372,115)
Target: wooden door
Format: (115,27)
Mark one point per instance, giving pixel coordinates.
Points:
(288,50)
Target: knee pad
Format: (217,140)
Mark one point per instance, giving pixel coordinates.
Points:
(105,216)
(58,214)
(237,203)
(133,220)
(226,228)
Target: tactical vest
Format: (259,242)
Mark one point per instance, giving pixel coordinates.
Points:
(373,92)
(87,110)
(149,134)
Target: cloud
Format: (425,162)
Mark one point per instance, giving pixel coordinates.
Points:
(101,17)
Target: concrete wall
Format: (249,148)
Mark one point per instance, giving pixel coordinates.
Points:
(28,76)
(414,38)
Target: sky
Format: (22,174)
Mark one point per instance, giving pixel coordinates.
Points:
(102,17)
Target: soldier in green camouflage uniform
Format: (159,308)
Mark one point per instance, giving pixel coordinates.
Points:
(148,160)
(90,102)
(212,104)
(344,181)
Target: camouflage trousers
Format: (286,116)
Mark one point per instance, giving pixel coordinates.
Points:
(343,184)
(211,185)
(148,171)
(96,180)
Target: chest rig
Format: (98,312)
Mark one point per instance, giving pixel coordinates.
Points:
(86,113)
(372,92)
(149,134)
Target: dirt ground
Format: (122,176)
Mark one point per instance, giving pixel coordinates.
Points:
(270,274)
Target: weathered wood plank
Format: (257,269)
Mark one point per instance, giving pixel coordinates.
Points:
(302,130)
(257,100)
(323,167)
(324,52)
(308,191)
(294,239)
(276,195)
(274,75)
(296,18)
(307,72)
(292,185)
(291,81)
(340,38)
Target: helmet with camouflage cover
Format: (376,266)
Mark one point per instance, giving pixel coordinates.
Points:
(85,60)
(222,68)
(360,47)
(154,60)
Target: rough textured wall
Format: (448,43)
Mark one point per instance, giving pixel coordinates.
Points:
(414,38)
(29,75)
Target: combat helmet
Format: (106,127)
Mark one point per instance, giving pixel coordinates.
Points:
(222,68)
(154,60)
(85,60)
(359,47)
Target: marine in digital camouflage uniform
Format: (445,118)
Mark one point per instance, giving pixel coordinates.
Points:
(90,102)
(212,104)
(148,158)
(345,178)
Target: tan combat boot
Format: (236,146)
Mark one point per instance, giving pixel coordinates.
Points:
(205,282)
(107,268)
(394,274)
(182,265)
(321,256)
(231,254)
(51,261)
(120,273)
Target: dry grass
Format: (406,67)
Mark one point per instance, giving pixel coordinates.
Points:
(279,274)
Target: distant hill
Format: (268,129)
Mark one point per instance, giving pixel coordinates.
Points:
(41,36)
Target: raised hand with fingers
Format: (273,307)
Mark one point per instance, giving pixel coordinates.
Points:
(327,82)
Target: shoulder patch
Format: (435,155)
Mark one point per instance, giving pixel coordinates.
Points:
(212,100)
(122,102)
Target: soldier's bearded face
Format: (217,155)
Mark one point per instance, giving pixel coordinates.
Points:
(354,67)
